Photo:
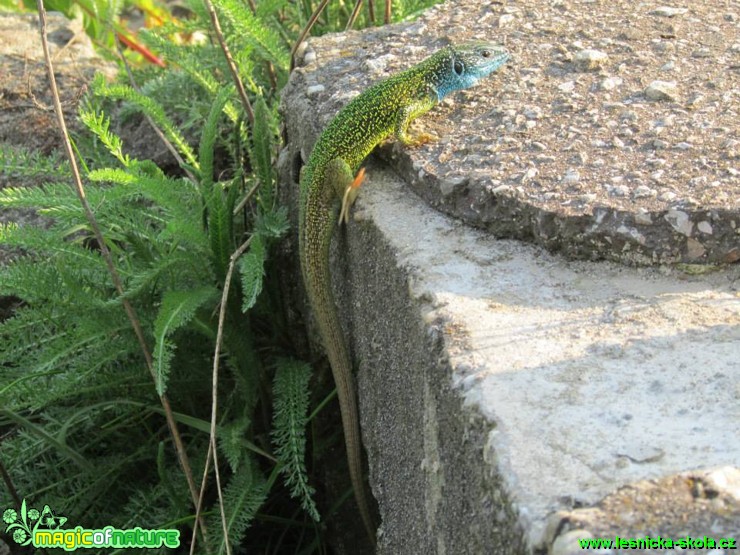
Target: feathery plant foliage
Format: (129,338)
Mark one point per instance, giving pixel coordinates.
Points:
(291,409)
(79,412)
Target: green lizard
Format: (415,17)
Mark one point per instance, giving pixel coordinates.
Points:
(328,180)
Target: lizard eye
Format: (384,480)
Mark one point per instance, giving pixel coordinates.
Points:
(486,53)
(459,67)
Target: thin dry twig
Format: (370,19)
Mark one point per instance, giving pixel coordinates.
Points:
(9,484)
(199,504)
(105,252)
(306,30)
(230,61)
(214,398)
(245,200)
(167,143)
(270,68)
(353,16)
(79,33)
(81,190)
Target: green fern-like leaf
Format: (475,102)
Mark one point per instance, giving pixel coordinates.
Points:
(178,308)
(232,441)
(16,161)
(193,61)
(262,148)
(178,197)
(268,8)
(39,431)
(252,270)
(99,124)
(245,494)
(53,196)
(220,206)
(208,138)
(273,224)
(150,108)
(173,267)
(252,29)
(289,429)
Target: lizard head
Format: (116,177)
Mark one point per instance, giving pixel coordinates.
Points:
(463,65)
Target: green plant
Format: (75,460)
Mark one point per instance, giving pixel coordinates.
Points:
(79,412)
(76,394)
(75,385)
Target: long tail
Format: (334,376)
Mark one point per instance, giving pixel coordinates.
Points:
(318,221)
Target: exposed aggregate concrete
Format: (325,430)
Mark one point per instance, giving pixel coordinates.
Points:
(613,133)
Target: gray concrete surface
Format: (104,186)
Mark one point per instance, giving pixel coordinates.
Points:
(572,146)
(504,388)
(571,379)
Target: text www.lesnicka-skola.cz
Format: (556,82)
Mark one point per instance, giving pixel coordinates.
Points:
(658,542)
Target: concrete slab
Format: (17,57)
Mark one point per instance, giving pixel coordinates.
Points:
(514,400)
(572,146)
(588,376)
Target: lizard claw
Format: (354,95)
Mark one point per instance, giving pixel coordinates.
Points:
(424,138)
(418,139)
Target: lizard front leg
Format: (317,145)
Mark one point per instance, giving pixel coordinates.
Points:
(421,105)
